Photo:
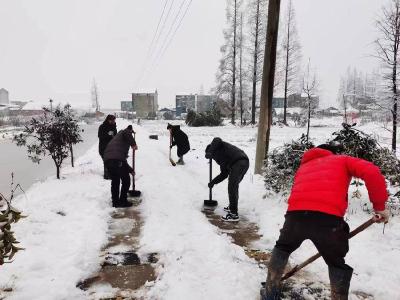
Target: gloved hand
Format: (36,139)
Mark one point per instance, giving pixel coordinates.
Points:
(170,147)
(211,184)
(382,216)
(111,133)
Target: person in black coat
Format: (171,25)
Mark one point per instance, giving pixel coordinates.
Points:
(179,139)
(107,130)
(115,157)
(233,163)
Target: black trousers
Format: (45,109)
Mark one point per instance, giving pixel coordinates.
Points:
(238,170)
(119,172)
(106,174)
(329,234)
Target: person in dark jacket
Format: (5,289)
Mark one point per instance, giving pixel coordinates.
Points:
(107,130)
(115,156)
(233,163)
(317,204)
(179,139)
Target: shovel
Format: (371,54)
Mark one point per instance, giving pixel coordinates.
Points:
(170,158)
(134,192)
(210,202)
(297,268)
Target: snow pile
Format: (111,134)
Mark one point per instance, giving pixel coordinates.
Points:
(65,229)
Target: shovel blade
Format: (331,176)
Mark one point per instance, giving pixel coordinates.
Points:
(134,193)
(210,203)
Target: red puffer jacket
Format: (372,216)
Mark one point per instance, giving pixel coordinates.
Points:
(322,182)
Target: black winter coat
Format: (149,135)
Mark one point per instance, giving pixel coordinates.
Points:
(226,155)
(180,139)
(119,146)
(106,133)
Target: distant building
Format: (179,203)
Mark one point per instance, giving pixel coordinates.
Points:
(277,102)
(293,101)
(197,103)
(205,102)
(4,97)
(126,106)
(184,103)
(145,105)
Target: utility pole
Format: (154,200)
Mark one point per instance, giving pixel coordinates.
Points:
(267,88)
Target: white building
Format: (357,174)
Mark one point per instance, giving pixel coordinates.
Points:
(4,99)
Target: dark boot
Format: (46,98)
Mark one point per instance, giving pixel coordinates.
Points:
(180,161)
(340,282)
(276,267)
(122,204)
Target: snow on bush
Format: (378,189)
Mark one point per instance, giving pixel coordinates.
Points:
(283,162)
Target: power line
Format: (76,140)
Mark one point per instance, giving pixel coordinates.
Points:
(170,29)
(165,45)
(157,37)
(176,29)
(163,26)
(158,25)
(144,64)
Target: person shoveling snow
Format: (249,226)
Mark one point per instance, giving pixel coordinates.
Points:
(234,163)
(179,139)
(115,157)
(317,204)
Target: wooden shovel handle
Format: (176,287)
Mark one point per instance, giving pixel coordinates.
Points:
(297,268)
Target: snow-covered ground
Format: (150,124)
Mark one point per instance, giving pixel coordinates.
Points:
(65,229)
(196,260)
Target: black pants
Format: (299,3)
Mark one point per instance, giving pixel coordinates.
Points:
(329,233)
(119,172)
(106,174)
(238,170)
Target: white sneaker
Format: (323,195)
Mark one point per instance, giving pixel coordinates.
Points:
(230,217)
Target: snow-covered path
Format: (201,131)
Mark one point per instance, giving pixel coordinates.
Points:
(198,262)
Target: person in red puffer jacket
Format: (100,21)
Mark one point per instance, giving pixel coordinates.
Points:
(317,204)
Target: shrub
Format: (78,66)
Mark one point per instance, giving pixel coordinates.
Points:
(283,163)
(209,118)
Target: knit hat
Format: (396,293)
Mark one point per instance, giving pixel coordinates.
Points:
(169,126)
(335,148)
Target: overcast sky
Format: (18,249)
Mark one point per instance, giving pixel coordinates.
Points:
(54,48)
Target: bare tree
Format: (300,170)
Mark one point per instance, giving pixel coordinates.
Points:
(388,52)
(241,42)
(310,87)
(227,71)
(292,56)
(258,22)
(95,96)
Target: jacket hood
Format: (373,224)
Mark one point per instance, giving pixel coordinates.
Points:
(175,128)
(314,154)
(108,118)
